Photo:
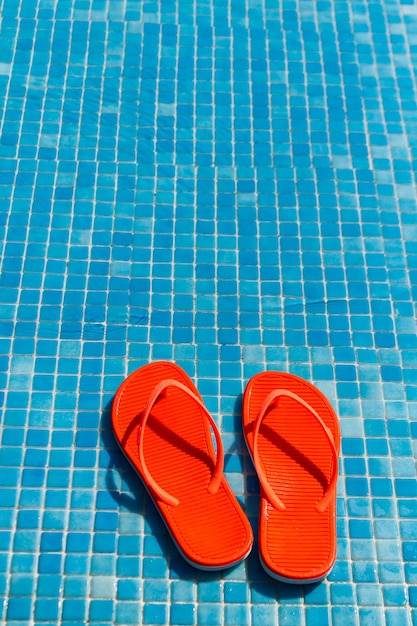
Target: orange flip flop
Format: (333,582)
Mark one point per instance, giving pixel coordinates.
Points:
(293,436)
(164,429)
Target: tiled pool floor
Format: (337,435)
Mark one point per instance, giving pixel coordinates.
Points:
(231,185)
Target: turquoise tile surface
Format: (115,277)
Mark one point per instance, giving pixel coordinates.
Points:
(233,186)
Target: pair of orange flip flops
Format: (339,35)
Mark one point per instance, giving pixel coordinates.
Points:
(292,433)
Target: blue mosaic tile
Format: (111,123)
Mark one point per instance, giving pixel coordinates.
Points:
(229,187)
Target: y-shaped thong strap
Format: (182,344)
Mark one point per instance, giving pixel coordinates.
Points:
(161,389)
(271,495)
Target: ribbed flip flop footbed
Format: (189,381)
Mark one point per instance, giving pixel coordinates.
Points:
(210,530)
(298,543)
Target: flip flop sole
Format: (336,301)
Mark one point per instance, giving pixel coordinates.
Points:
(210,530)
(296,544)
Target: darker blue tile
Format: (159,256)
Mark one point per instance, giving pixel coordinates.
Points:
(409,549)
(19,609)
(405,487)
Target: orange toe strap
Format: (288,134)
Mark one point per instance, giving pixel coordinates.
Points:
(270,400)
(161,390)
